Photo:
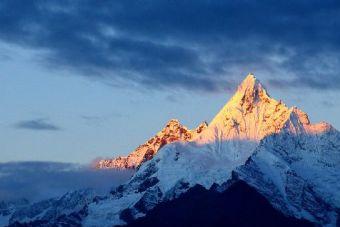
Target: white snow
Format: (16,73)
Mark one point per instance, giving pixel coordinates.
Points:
(305,170)
(227,143)
(106,213)
(172,132)
(276,149)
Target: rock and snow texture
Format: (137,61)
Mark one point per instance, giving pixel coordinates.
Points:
(299,174)
(229,142)
(173,131)
(276,149)
(51,209)
(7,209)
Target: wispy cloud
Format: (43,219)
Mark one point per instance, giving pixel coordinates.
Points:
(195,45)
(36,124)
(328,103)
(41,180)
(98,120)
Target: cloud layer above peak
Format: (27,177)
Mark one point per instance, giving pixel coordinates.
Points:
(193,45)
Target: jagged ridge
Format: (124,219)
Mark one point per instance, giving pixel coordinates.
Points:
(226,144)
(255,138)
(172,132)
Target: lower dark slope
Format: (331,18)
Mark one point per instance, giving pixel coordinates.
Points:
(239,206)
(72,220)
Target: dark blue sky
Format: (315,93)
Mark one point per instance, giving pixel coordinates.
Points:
(81,79)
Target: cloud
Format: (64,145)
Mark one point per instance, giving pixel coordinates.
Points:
(328,103)
(41,180)
(36,124)
(99,120)
(194,45)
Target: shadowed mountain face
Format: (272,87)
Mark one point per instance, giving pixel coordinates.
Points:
(238,206)
(278,166)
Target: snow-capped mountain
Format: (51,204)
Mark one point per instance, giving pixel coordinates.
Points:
(172,132)
(7,208)
(298,174)
(230,140)
(53,208)
(238,206)
(255,140)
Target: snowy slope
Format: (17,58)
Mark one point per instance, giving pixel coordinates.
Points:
(254,138)
(299,174)
(172,132)
(51,209)
(227,143)
(8,208)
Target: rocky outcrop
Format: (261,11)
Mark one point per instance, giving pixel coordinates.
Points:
(172,132)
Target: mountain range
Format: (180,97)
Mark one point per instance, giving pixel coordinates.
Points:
(257,163)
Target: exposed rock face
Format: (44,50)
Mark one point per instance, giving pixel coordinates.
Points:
(172,132)
(298,174)
(53,208)
(238,206)
(8,208)
(229,142)
(255,139)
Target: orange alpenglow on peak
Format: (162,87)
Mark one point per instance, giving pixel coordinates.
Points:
(251,114)
(172,132)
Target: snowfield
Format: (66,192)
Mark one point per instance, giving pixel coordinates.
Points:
(254,138)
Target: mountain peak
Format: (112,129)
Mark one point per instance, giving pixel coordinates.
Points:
(249,82)
(173,123)
(250,78)
(173,131)
(250,90)
(250,114)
